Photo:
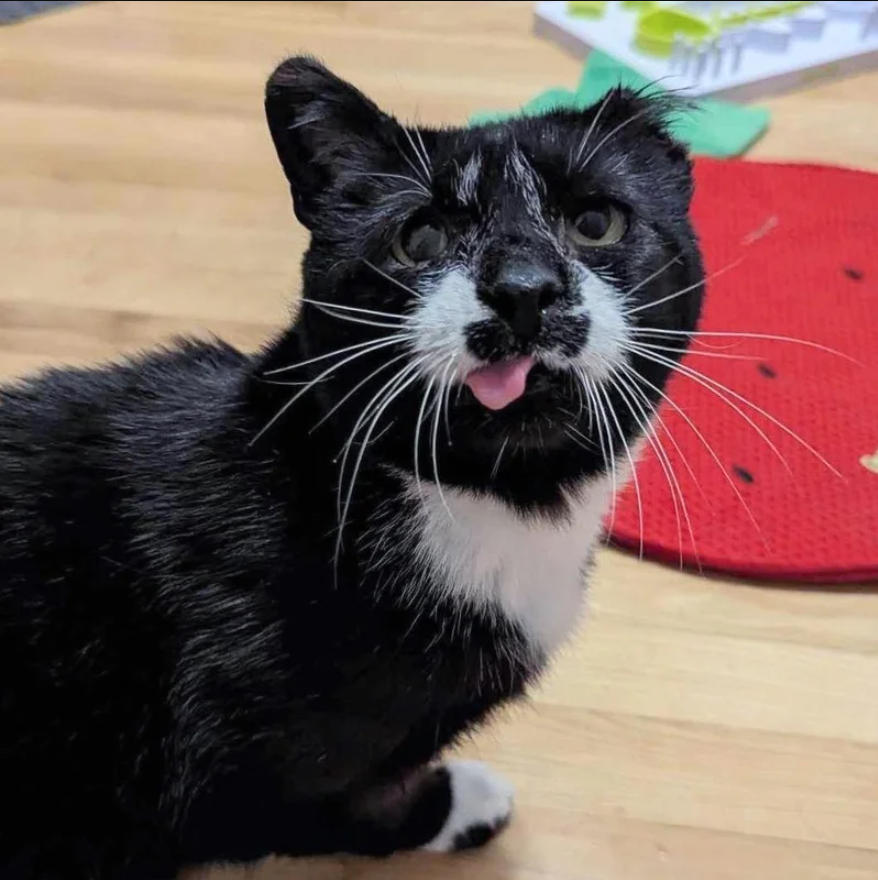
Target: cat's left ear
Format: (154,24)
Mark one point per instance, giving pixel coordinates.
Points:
(322,125)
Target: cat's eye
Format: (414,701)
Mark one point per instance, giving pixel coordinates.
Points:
(600,224)
(420,240)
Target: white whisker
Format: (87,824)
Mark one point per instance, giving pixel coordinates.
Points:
(375,314)
(425,400)
(603,393)
(365,322)
(605,440)
(574,160)
(338,351)
(388,393)
(641,284)
(678,293)
(393,280)
(710,354)
(718,388)
(356,388)
(425,165)
(496,469)
(710,451)
(436,420)
(384,343)
(635,377)
(417,183)
(625,389)
(614,131)
(699,334)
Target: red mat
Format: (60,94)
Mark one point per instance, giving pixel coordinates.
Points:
(807,241)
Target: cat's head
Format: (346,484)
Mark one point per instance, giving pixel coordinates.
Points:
(505,272)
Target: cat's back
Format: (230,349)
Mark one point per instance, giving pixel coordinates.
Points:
(84,640)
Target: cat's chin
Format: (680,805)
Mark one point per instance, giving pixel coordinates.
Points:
(538,419)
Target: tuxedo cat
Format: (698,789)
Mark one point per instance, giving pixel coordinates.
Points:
(247,601)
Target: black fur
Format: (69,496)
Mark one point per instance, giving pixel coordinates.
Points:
(194,666)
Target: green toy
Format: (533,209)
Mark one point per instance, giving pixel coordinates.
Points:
(712,128)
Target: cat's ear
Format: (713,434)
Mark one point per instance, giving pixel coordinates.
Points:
(321,125)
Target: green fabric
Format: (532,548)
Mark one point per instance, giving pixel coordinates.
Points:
(713,128)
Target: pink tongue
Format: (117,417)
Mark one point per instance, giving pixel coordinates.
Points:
(499,384)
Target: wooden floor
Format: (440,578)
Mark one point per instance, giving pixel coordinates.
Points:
(698,730)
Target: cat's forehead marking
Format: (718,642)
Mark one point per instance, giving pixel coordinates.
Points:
(468,181)
(523,178)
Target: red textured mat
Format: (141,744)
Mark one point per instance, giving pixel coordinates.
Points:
(807,241)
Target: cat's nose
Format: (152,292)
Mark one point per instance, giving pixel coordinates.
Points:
(521,292)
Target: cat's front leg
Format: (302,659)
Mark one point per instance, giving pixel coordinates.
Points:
(444,808)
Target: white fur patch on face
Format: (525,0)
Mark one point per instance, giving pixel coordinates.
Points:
(530,571)
(610,335)
(438,325)
(480,801)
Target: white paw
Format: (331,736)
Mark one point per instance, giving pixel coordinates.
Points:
(481,806)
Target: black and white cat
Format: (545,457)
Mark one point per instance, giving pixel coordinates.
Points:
(246,601)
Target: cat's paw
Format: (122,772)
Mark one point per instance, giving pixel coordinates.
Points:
(481,807)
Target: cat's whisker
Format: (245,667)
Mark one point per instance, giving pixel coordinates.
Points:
(656,416)
(424,152)
(449,385)
(384,343)
(660,271)
(284,384)
(643,420)
(591,410)
(678,293)
(408,379)
(403,192)
(665,299)
(412,164)
(586,442)
(710,451)
(392,280)
(335,353)
(375,346)
(440,392)
(416,183)
(573,161)
(496,469)
(602,392)
(388,393)
(604,439)
(702,380)
(612,133)
(328,415)
(419,421)
(697,335)
(577,388)
(719,389)
(365,322)
(402,319)
(422,160)
(688,351)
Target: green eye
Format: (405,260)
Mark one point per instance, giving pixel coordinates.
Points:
(420,241)
(601,223)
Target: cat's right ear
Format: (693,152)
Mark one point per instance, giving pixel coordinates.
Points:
(321,125)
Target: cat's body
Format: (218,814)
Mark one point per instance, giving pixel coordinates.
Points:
(144,654)
(225,635)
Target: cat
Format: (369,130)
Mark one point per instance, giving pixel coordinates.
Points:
(246,601)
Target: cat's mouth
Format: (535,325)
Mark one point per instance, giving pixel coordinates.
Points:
(497,385)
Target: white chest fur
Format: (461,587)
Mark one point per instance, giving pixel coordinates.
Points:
(529,570)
